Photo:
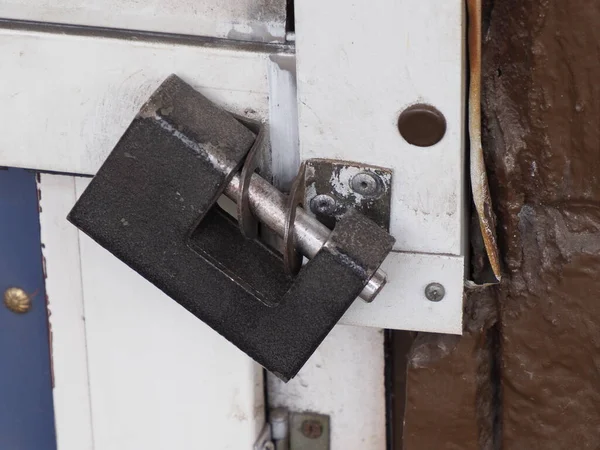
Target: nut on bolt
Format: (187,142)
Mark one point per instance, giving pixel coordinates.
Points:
(435,292)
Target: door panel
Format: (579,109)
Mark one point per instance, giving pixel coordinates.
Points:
(26,412)
(80,110)
(159,379)
(72,406)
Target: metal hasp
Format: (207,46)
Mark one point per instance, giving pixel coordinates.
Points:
(153,205)
(334,187)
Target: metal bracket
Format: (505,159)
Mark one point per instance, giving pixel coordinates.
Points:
(299,430)
(333,187)
(309,431)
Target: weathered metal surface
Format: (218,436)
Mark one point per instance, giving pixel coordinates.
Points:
(341,181)
(292,260)
(246,220)
(479,181)
(151,205)
(272,208)
(309,431)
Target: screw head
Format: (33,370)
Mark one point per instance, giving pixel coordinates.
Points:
(435,292)
(323,204)
(366,183)
(17,300)
(312,429)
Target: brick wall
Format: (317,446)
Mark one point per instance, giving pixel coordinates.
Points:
(526,374)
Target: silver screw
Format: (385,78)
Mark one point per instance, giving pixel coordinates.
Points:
(435,292)
(366,183)
(322,204)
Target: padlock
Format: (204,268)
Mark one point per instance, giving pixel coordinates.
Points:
(153,204)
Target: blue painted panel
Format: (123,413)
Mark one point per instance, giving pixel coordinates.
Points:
(26,409)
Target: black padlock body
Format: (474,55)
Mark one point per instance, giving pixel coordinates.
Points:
(153,205)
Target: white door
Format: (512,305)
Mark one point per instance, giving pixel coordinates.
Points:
(133,369)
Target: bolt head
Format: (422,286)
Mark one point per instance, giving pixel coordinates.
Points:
(367,184)
(312,429)
(323,204)
(435,292)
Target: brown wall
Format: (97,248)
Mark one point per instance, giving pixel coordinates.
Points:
(526,374)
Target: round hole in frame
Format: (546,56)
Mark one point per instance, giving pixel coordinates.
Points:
(422,125)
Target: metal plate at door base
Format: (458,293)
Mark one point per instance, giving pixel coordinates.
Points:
(309,431)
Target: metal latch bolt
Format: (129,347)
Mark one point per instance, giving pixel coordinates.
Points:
(270,206)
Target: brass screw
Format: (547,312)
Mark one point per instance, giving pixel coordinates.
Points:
(312,429)
(17,300)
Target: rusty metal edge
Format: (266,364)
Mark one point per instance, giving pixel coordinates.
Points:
(479,180)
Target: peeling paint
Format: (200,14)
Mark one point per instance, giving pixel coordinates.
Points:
(334,178)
